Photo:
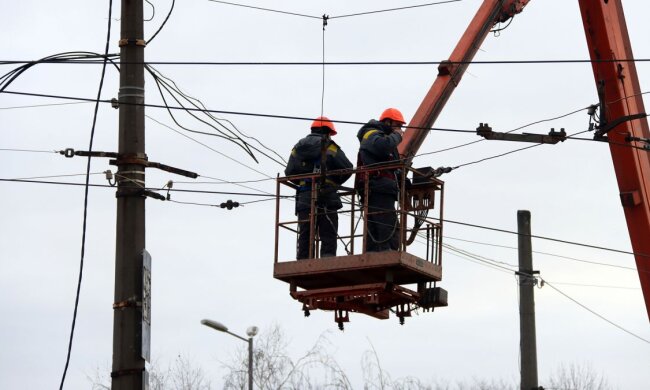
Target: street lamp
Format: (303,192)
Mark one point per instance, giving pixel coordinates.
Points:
(250,332)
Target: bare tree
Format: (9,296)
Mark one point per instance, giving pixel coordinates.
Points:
(577,377)
(274,369)
(181,375)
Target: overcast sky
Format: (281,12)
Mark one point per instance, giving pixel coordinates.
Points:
(212,263)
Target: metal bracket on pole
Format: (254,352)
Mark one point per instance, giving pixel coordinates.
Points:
(607,127)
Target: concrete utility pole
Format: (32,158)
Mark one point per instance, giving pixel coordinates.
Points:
(131,308)
(527,337)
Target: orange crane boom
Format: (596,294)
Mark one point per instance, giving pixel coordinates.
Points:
(620,102)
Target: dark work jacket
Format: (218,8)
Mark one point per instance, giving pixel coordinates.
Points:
(379,145)
(306,158)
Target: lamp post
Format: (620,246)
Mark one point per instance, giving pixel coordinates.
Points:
(250,332)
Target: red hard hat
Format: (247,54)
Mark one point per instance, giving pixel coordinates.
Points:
(392,113)
(323,121)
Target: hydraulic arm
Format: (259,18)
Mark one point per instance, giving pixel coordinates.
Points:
(623,119)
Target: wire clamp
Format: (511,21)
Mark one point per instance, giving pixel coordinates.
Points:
(132,41)
(128,371)
(325,19)
(229,205)
(126,304)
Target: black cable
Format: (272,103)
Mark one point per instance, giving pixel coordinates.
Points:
(86,188)
(226,112)
(594,313)
(146,188)
(322,97)
(266,9)
(153,11)
(170,84)
(163,23)
(542,237)
(333,63)
(495,156)
(394,9)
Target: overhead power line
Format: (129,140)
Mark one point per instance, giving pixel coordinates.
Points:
(252,114)
(595,313)
(545,253)
(331,63)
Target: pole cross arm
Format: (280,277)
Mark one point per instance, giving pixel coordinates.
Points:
(553,137)
(138,160)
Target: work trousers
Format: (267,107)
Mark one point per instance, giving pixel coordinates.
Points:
(326,224)
(383,227)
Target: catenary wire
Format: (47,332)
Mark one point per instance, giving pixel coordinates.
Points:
(594,312)
(265,9)
(394,9)
(86,189)
(153,11)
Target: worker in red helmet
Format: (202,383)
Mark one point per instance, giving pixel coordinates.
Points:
(378,144)
(317,153)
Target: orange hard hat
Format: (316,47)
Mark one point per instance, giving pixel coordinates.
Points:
(392,113)
(323,121)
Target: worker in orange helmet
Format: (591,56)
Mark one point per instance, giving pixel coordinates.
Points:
(317,153)
(378,144)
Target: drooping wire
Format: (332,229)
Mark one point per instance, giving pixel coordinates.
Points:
(222,131)
(209,147)
(86,188)
(153,11)
(163,23)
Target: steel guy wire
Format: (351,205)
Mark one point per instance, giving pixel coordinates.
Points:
(28,150)
(266,9)
(86,188)
(594,312)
